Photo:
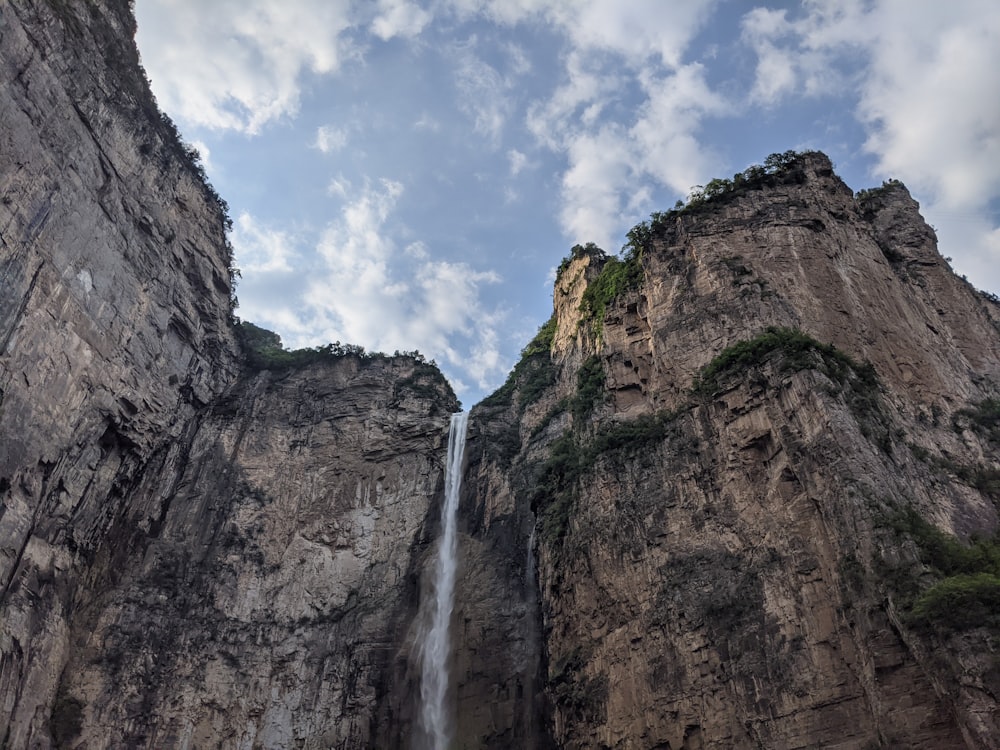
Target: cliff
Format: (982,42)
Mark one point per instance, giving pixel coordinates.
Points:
(197,547)
(750,449)
(740,491)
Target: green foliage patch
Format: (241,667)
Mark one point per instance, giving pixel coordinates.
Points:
(968,594)
(533,373)
(983,417)
(570,458)
(960,602)
(799,351)
(869,194)
(616,278)
(262,350)
(589,388)
(66,720)
(777,169)
(580,696)
(794,350)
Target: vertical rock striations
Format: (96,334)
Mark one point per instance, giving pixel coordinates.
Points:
(114,317)
(193,552)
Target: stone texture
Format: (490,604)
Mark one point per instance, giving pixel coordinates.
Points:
(725,584)
(189,556)
(113,315)
(274,590)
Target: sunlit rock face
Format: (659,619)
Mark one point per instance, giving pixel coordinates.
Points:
(721,560)
(718,504)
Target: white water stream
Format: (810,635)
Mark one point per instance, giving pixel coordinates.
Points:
(435,719)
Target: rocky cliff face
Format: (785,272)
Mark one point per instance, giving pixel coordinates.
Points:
(192,553)
(734,517)
(739,492)
(113,317)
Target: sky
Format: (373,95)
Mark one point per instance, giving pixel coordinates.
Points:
(407,174)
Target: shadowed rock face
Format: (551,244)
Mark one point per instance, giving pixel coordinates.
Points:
(197,552)
(191,554)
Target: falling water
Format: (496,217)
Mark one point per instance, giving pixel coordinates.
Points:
(434,717)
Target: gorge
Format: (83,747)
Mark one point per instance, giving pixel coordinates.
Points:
(740,491)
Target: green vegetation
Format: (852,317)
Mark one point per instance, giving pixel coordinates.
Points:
(581,697)
(960,602)
(864,196)
(578,251)
(983,478)
(533,373)
(968,592)
(570,458)
(616,278)
(799,351)
(778,169)
(263,351)
(66,719)
(589,388)
(983,417)
(793,350)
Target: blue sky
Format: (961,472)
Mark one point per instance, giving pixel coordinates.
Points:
(407,174)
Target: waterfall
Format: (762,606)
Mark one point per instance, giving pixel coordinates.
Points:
(434,717)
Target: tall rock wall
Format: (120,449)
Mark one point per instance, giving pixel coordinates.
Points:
(723,554)
(194,552)
(114,314)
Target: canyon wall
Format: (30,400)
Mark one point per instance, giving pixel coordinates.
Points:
(194,552)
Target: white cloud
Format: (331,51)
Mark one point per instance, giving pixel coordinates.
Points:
(236,64)
(807,54)
(372,290)
(399,18)
(665,135)
(517,161)
(600,166)
(930,100)
(330,138)
(484,94)
(588,88)
(611,166)
(927,97)
(973,241)
(639,30)
(260,249)
(427,122)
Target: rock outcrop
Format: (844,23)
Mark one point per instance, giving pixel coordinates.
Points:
(739,492)
(192,554)
(726,548)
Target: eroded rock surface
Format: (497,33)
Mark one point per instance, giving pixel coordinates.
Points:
(192,554)
(722,567)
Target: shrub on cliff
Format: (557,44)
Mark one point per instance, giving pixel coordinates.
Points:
(262,350)
(533,373)
(967,592)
